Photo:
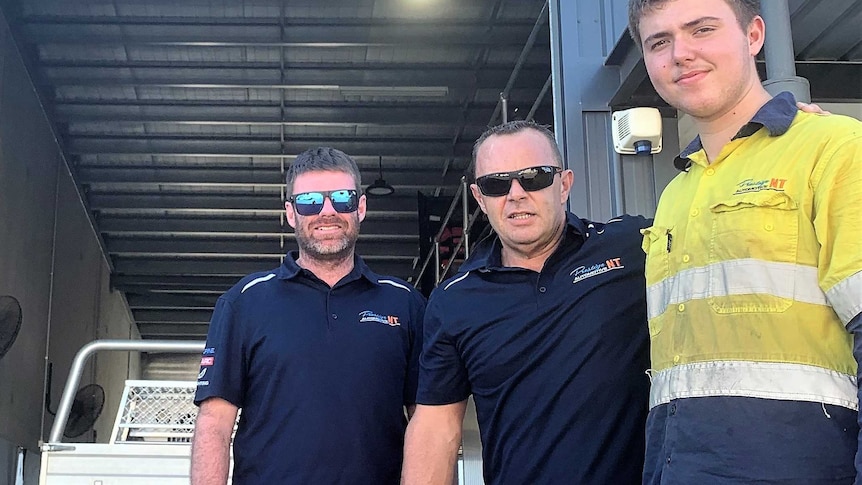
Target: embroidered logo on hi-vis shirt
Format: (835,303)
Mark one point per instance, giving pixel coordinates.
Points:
(583,272)
(207,361)
(751,185)
(369,316)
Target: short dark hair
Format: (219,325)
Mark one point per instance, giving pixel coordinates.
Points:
(745,11)
(511,128)
(321,159)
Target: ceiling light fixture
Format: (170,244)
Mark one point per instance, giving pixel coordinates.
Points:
(380,188)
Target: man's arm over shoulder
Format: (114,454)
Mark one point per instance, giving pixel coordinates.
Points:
(211,442)
(431,444)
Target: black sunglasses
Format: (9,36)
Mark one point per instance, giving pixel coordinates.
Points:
(531,180)
(311,203)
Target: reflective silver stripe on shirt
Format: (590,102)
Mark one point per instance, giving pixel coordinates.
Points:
(257,280)
(767,380)
(846,297)
(737,277)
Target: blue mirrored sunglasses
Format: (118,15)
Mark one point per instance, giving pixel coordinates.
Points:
(311,203)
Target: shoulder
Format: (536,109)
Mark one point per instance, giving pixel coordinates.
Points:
(453,284)
(835,128)
(621,235)
(250,285)
(618,226)
(398,288)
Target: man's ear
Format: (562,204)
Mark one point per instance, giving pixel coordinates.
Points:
(290,213)
(756,35)
(362,207)
(567,178)
(478,196)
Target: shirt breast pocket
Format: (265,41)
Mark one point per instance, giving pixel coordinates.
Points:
(752,253)
(656,244)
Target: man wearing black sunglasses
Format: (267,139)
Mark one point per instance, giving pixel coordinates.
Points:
(321,354)
(545,325)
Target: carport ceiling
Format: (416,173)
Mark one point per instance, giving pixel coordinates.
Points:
(178,118)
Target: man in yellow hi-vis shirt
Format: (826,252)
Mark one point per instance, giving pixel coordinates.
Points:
(754,265)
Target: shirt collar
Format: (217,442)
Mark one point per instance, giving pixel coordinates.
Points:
(776,116)
(289,269)
(487,255)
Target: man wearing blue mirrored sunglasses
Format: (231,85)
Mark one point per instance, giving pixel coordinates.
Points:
(321,354)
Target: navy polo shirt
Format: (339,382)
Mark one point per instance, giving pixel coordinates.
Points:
(555,360)
(322,374)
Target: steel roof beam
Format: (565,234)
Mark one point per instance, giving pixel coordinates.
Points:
(248,32)
(294,113)
(174,247)
(257,146)
(331,79)
(173,331)
(397,266)
(154,301)
(98,202)
(237,175)
(262,226)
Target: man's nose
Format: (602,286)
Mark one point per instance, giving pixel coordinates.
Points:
(516,191)
(682,50)
(327,208)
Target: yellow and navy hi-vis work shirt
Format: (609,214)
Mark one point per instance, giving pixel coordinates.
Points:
(754,264)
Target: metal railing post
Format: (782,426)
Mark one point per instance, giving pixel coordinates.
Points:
(91,348)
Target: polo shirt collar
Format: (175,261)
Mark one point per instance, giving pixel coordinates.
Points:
(776,116)
(289,269)
(487,255)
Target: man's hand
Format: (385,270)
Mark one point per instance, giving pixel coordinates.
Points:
(812,108)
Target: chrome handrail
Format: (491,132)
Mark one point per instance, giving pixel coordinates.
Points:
(91,348)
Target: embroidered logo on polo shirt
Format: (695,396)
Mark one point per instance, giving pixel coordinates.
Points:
(207,361)
(751,185)
(583,272)
(369,316)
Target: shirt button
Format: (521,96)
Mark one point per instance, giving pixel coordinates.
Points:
(695,212)
(676,358)
(672,409)
(542,289)
(710,172)
(768,227)
(686,259)
(668,460)
(334,316)
(681,307)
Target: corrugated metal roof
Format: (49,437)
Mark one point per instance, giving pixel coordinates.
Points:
(179,118)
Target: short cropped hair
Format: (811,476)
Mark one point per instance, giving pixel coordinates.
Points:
(745,11)
(511,128)
(321,159)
